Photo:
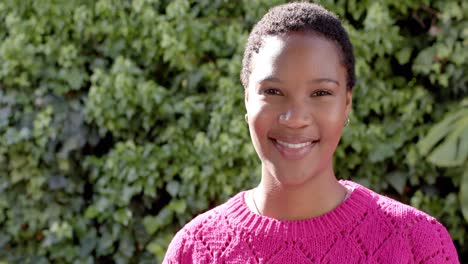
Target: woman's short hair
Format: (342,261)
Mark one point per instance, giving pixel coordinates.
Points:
(300,17)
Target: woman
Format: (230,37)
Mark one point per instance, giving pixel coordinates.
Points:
(298,75)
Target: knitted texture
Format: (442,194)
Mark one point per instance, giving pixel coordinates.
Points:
(365,228)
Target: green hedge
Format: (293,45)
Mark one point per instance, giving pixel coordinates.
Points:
(121,120)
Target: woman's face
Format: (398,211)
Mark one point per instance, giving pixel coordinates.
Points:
(297,103)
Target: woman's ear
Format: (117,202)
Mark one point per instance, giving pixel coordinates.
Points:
(349,101)
(246,96)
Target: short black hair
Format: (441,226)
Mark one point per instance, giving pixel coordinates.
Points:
(299,17)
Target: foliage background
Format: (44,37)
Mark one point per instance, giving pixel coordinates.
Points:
(121,120)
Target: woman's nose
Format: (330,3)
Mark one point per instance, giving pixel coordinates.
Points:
(295,117)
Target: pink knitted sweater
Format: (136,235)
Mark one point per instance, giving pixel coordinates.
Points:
(365,228)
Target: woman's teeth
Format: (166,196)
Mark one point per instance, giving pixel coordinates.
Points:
(293,146)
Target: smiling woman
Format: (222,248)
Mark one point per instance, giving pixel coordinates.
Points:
(298,100)
(298,74)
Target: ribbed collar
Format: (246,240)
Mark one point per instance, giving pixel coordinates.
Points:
(341,218)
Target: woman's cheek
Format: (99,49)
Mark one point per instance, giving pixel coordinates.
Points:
(258,107)
(332,113)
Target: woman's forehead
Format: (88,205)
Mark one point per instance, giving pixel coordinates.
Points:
(295,52)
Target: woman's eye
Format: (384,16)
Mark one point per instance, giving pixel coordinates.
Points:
(321,93)
(272,91)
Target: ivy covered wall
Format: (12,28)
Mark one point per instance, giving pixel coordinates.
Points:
(121,120)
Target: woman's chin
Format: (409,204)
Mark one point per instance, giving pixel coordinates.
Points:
(291,180)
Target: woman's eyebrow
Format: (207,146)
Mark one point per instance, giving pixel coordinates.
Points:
(320,80)
(313,81)
(271,79)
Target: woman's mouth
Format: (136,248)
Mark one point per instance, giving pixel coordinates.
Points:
(294,149)
(292,145)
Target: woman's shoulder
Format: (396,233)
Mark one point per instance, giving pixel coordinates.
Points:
(428,239)
(201,232)
(390,208)
(211,218)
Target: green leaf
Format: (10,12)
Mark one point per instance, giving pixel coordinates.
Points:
(87,244)
(173,188)
(398,181)
(404,55)
(156,249)
(463,194)
(123,216)
(178,206)
(451,134)
(151,224)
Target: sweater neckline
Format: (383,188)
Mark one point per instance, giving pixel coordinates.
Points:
(351,210)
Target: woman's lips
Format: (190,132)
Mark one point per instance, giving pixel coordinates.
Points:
(295,150)
(293,145)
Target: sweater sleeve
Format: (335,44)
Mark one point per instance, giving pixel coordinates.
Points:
(175,251)
(431,243)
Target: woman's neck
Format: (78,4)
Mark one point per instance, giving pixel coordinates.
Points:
(316,197)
